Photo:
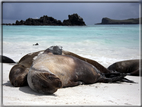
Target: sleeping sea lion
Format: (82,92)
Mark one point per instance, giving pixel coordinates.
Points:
(18,73)
(26,61)
(21,69)
(50,72)
(131,67)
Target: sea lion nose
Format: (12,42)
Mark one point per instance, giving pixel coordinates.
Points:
(60,84)
(57,83)
(15,83)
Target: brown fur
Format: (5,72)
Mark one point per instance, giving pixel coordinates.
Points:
(27,60)
(65,71)
(41,78)
(70,70)
(128,66)
(18,73)
(100,67)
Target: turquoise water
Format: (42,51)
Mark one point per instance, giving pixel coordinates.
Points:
(115,41)
(116,35)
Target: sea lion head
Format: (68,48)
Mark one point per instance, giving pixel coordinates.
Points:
(117,67)
(43,81)
(113,67)
(56,50)
(18,75)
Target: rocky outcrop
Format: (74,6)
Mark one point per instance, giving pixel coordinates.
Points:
(112,21)
(73,20)
(45,20)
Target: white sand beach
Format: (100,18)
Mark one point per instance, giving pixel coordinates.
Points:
(128,94)
(105,44)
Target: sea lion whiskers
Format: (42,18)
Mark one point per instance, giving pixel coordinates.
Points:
(42,76)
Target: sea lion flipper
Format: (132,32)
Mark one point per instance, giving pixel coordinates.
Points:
(118,77)
(111,77)
(127,80)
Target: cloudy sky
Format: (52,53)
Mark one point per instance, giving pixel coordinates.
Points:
(90,12)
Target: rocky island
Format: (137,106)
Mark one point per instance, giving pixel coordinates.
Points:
(126,21)
(74,20)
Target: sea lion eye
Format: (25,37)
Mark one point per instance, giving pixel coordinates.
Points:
(22,65)
(50,77)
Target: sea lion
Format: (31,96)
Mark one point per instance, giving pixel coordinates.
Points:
(26,61)
(131,67)
(18,73)
(49,72)
(5,59)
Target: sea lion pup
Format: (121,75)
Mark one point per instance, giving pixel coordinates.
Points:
(18,73)
(131,67)
(50,72)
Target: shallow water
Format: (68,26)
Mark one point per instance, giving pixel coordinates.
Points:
(103,43)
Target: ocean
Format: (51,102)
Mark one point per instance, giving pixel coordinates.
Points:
(103,43)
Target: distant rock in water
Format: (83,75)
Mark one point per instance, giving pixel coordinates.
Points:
(35,44)
(45,20)
(112,21)
(73,20)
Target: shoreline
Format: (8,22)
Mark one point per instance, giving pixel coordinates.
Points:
(71,26)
